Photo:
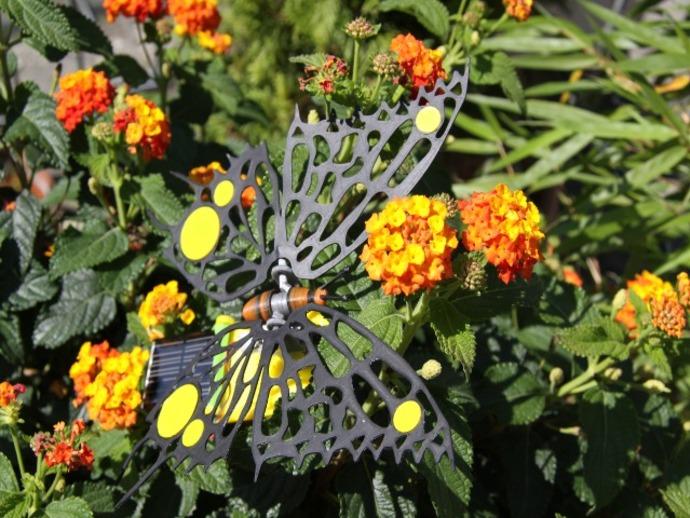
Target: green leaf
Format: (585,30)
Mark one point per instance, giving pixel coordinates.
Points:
(135,327)
(117,275)
(70,507)
(661,163)
(98,495)
(362,493)
(160,199)
(609,422)
(190,493)
(602,337)
(11,344)
(44,21)
(66,189)
(88,36)
(513,394)
(431,14)
(454,335)
(37,125)
(35,287)
(25,220)
(110,448)
(8,480)
(75,251)
(215,479)
(13,505)
(656,64)
(677,498)
(314,60)
(509,80)
(126,67)
(82,309)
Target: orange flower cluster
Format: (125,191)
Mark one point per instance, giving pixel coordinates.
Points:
(82,93)
(422,66)
(9,393)
(139,9)
(194,16)
(503,224)
(107,381)
(571,276)
(518,9)
(145,126)
(162,306)
(683,288)
(63,448)
(668,315)
(409,245)
(216,42)
(647,287)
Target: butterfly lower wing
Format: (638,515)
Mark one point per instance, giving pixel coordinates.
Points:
(325,196)
(224,243)
(319,407)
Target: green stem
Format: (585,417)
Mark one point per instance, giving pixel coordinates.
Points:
(416,319)
(119,205)
(355,62)
(399,91)
(17,451)
(377,87)
(51,489)
(577,382)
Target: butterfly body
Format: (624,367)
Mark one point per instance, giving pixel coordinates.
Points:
(271,302)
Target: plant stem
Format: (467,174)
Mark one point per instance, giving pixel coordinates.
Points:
(17,451)
(119,205)
(415,319)
(51,489)
(355,62)
(579,381)
(4,65)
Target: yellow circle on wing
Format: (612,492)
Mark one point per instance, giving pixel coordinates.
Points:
(223,193)
(407,416)
(177,410)
(199,234)
(428,119)
(193,433)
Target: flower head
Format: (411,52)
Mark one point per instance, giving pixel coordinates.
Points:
(422,66)
(194,16)
(503,224)
(386,65)
(64,447)
(107,381)
(571,276)
(323,79)
(203,174)
(668,315)
(145,126)
(360,29)
(518,9)
(216,42)
(409,245)
(139,9)
(162,306)
(9,393)
(82,93)
(647,287)
(683,287)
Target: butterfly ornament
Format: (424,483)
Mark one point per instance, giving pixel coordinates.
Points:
(288,366)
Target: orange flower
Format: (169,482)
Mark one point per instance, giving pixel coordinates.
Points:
(572,277)
(683,287)
(63,449)
(503,224)
(204,173)
(422,66)
(668,315)
(647,287)
(162,306)
(519,9)
(409,245)
(145,126)
(9,393)
(139,9)
(82,94)
(216,42)
(194,16)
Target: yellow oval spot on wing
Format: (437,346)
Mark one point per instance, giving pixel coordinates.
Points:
(193,433)
(428,119)
(223,193)
(177,410)
(317,318)
(199,234)
(407,416)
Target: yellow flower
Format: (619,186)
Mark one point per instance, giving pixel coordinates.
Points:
(216,42)
(647,287)
(161,306)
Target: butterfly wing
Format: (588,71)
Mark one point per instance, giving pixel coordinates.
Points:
(325,195)
(224,243)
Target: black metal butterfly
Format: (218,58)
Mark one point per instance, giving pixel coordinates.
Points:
(289,366)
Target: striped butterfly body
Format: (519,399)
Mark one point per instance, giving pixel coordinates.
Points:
(310,379)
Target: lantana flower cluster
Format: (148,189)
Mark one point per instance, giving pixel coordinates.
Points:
(519,9)
(421,66)
(65,447)
(144,125)
(409,245)
(323,79)
(141,10)
(666,305)
(82,94)
(9,404)
(107,381)
(162,307)
(503,224)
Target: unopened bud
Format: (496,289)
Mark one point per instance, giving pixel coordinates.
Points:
(164,27)
(656,386)
(93,186)
(613,373)
(384,64)
(472,272)
(450,202)
(312,117)
(165,69)
(475,38)
(360,29)
(430,370)
(556,376)
(686,426)
(619,300)
(102,131)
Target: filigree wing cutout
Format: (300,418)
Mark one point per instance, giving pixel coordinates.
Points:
(324,199)
(224,244)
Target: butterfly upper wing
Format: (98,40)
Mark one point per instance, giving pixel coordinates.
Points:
(223,244)
(324,200)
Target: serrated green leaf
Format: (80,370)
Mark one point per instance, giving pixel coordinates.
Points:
(362,491)
(126,67)
(70,507)
(74,252)
(431,14)
(116,276)
(44,21)
(216,479)
(512,394)
(110,448)
(81,309)
(11,344)
(8,480)
(36,287)
(609,422)
(13,505)
(190,492)
(509,80)
(88,36)
(25,220)
(160,199)
(99,496)
(135,327)
(454,335)
(677,498)
(600,338)
(37,125)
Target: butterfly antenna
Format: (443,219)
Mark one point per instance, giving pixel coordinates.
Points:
(342,273)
